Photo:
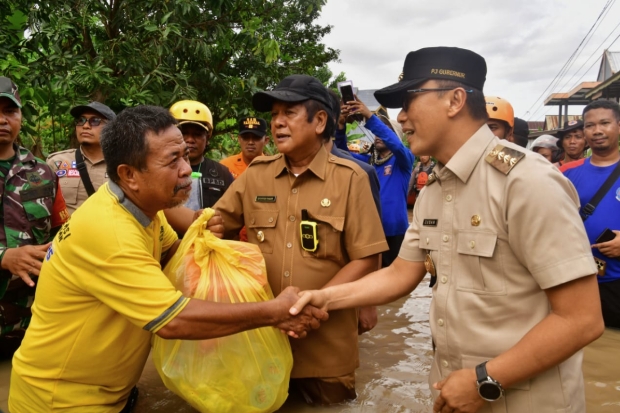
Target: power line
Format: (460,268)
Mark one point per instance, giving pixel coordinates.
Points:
(588,59)
(570,59)
(596,61)
(588,70)
(591,35)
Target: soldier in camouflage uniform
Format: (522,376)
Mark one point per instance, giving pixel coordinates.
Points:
(31,210)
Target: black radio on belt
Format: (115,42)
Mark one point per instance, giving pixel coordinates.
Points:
(307,230)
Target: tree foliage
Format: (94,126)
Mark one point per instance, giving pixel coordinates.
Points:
(130,52)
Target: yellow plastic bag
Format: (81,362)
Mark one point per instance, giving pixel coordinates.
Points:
(244,372)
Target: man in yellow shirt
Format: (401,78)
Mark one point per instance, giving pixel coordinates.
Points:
(252,139)
(102,293)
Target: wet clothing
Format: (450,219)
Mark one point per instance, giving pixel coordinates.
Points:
(268,199)
(31,211)
(587,179)
(63,164)
(326,390)
(102,295)
(215,180)
(496,245)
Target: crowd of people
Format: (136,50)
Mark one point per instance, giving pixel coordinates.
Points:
(512,307)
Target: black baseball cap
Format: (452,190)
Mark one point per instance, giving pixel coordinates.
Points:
(98,107)
(254,125)
(449,63)
(569,126)
(8,89)
(294,88)
(521,128)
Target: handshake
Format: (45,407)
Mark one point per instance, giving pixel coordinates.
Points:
(299,312)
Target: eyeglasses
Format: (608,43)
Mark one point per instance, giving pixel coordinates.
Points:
(92,121)
(407,99)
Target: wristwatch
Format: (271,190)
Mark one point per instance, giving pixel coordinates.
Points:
(488,388)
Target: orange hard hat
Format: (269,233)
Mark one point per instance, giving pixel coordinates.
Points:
(499,108)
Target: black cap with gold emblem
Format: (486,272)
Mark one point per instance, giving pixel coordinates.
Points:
(252,124)
(449,63)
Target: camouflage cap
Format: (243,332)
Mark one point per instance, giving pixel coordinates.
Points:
(8,89)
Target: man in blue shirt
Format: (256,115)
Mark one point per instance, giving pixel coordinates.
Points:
(602,129)
(393,163)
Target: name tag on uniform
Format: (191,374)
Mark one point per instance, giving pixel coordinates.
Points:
(42,191)
(430,222)
(212,181)
(265,199)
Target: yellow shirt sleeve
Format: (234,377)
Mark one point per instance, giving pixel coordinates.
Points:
(133,285)
(121,268)
(170,236)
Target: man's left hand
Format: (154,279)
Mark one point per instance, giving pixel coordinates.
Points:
(458,393)
(611,248)
(216,225)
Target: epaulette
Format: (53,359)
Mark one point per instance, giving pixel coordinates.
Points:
(264,159)
(66,151)
(504,159)
(431,179)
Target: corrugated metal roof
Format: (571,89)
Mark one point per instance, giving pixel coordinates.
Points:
(535,125)
(614,61)
(610,65)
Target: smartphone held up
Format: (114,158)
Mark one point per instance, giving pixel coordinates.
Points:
(346,91)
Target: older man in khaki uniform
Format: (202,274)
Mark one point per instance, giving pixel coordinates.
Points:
(288,202)
(514,290)
(82,171)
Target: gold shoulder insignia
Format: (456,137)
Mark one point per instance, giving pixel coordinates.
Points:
(431,179)
(504,159)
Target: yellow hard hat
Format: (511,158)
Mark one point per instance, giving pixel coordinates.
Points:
(191,111)
(501,109)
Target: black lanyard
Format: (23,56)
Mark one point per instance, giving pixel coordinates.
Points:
(81,166)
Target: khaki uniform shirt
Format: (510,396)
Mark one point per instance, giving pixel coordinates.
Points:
(268,200)
(64,166)
(498,240)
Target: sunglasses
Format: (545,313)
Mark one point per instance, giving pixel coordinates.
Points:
(92,121)
(410,93)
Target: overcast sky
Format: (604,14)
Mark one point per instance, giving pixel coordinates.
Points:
(525,43)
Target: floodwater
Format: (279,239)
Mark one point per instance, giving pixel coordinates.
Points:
(395,358)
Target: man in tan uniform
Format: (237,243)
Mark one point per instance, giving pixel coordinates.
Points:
(514,290)
(82,171)
(291,200)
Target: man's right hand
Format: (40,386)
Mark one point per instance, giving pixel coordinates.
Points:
(25,261)
(315,298)
(297,325)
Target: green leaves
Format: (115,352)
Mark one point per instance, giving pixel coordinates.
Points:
(130,52)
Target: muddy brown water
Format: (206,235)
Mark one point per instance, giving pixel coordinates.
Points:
(395,359)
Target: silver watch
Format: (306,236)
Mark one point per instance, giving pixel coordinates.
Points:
(488,388)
